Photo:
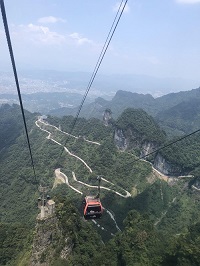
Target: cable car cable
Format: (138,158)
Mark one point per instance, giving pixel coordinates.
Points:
(16,78)
(167,145)
(105,45)
(97,67)
(100,59)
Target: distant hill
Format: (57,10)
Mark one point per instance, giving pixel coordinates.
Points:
(164,109)
(184,116)
(125,99)
(172,99)
(68,102)
(121,101)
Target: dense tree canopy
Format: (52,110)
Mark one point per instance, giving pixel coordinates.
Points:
(159,222)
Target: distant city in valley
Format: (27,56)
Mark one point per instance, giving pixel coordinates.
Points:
(104,85)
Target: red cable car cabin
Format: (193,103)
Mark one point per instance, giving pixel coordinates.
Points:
(92,208)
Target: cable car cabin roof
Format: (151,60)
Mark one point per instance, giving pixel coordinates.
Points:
(90,199)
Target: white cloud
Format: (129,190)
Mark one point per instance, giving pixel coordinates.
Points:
(80,40)
(188,1)
(117,5)
(43,35)
(50,19)
(39,34)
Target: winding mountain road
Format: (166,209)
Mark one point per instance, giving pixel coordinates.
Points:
(62,176)
(71,154)
(47,124)
(64,179)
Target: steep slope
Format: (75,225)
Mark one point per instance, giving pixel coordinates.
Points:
(129,184)
(142,123)
(184,117)
(136,130)
(64,239)
(11,124)
(183,155)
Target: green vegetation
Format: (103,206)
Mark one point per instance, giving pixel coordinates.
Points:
(84,240)
(143,125)
(159,223)
(139,243)
(183,117)
(185,153)
(13,239)
(177,113)
(11,124)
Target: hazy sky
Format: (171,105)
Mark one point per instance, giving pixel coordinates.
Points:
(159,38)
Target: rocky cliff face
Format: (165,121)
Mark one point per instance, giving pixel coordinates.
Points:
(107,116)
(147,147)
(120,140)
(165,167)
(131,140)
(48,237)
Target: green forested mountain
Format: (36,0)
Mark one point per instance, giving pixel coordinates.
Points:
(146,220)
(121,101)
(184,117)
(169,110)
(11,124)
(142,124)
(185,153)
(172,99)
(125,99)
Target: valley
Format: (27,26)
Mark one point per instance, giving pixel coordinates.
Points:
(68,163)
(64,178)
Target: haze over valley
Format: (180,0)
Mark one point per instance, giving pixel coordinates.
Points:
(45,91)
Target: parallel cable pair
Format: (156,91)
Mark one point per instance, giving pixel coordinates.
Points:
(99,61)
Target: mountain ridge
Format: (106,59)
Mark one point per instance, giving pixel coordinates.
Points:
(172,207)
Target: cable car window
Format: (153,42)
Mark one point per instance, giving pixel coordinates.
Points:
(94,209)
